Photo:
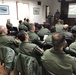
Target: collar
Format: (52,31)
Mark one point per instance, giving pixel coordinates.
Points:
(26,41)
(2,35)
(57,51)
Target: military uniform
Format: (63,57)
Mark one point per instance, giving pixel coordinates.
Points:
(30,49)
(68,34)
(73,28)
(43,31)
(7,56)
(23,27)
(33,36)
(48,40)
(8,41)
(59,63)
(26,24)
(9,26)
(59,27)
(73,47)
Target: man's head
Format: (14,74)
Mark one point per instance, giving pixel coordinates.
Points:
(23,36)
(3,29)
(32,27)
(24,19)
(8,21)
(65,27)
(58,40)
(20,22)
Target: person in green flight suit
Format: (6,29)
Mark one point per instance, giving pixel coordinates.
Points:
(59,25)
(22,26)
(43,31)
(28,48)
(6,40)
(55,60)
(34,38)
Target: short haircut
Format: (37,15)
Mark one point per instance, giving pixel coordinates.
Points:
(58,39)
(24,18)
(21,35)
(20,21)
(1,29)
(31,25)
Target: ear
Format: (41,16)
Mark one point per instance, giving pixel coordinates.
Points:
(65,43)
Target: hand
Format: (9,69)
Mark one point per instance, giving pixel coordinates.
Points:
(2,69)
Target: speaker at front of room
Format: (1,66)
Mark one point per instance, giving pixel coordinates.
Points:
(38,2)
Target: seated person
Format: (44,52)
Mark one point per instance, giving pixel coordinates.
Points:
(9,25)
(68,35)
(6,40)
(27,47)
(33,37)
(42,31)
(22,26)
(59,25)
(55,60)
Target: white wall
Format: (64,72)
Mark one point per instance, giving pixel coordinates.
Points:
(33,18)
(12,13)
(54,6)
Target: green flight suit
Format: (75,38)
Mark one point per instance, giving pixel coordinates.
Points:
(33,36)
(23,27)
(26,24)
(26,65)
(73,28)
(7,56)
(43,31)
(59,27)
(8,41)
(73,47)
(68,35)
(48,40)
(30,49)
(59,63)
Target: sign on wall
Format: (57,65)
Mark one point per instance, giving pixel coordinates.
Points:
(4,10)
(36,11)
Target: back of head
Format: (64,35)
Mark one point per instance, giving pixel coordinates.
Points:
(65,27)
(53,29)
(20,21)
(60,21)
(24,19)
(31,26)
(21,35)
(3,29)
(27,20)
(58,40)
(40,26)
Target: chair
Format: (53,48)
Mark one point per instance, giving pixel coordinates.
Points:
(26,65)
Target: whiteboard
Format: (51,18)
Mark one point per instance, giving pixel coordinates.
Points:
(72,10)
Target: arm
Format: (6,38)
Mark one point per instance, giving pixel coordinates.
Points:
(9,59)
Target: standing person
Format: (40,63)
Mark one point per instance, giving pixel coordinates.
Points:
(56,61)
(49,17)
(56,16)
